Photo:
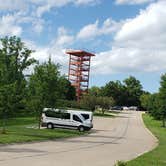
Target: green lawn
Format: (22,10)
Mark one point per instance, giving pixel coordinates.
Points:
(107,114)
(156,157)
(25,130)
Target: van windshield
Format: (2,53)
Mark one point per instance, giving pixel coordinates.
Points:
(76,118)
(86,116)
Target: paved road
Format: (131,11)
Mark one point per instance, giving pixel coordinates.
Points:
(121,138)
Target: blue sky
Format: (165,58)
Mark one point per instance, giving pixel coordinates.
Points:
(127,36)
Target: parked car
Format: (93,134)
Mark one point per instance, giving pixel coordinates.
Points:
(134,108)
(117,108)
(81,120)
(125,108)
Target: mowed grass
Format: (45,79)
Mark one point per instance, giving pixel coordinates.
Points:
(25,130)
(107,114)
(156,157)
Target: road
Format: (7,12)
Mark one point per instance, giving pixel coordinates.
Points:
(112,139)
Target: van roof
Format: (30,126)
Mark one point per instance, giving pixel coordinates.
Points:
(68,110)
(80,111)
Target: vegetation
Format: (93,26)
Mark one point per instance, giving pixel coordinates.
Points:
(120,163)
(14,59)
(124,94)
(46,86)
(91,102)
(105,115)
(157,156)
(156,103)
(21,96)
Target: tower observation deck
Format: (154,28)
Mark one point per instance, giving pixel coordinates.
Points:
(79,70)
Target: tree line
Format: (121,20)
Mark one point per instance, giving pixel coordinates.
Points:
(130,93)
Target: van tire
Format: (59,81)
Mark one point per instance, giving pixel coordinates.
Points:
(50,126)
(81,128)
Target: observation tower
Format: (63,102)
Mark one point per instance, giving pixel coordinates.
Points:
(79,70)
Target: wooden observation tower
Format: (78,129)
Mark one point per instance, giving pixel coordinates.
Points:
(79,70)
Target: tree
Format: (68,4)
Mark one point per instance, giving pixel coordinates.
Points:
(66,91)
(88,102)
(116,90)
(105,103)
(162,96)
(14,59)
(44,87)
(47,88)
(134,91)
(95,91)
(145,100)
(155,104)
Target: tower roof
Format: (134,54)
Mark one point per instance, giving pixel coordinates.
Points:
(79,53)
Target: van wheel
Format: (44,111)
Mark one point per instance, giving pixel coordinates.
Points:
(50,126)
(81,128)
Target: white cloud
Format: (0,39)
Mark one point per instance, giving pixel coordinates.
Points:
(131,2)
(55,49)
(47,5)
(12,24)
(91,31)
(41,6)
(42,9)
(139,46)
(13,5)
(63,38)
(38,25)
(145,30)
(9,25)
(57,55)
(85,2)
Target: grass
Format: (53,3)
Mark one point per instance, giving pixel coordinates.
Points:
(106,114)
(156,157)
(25,130)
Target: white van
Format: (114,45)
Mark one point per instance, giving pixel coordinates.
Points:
(66,119)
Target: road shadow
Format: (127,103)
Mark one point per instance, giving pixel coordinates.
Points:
(20,150)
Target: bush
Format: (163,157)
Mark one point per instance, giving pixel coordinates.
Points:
(120,163)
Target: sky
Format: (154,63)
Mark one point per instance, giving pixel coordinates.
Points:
(128,37)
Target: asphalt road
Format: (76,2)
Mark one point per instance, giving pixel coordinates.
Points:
(112,139)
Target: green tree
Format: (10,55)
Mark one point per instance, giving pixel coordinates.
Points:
(47,88)
(14,59)
(133,90)
(95,91)
(105,103)
(116,90)
(145,100)
(66,91)
(44,87)
(162,96)
(88,102)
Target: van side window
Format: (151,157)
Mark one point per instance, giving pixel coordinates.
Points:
(53,114)
(86,116)
(65,116)
(76,118)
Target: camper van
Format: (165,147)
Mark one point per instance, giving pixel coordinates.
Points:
(81,120)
